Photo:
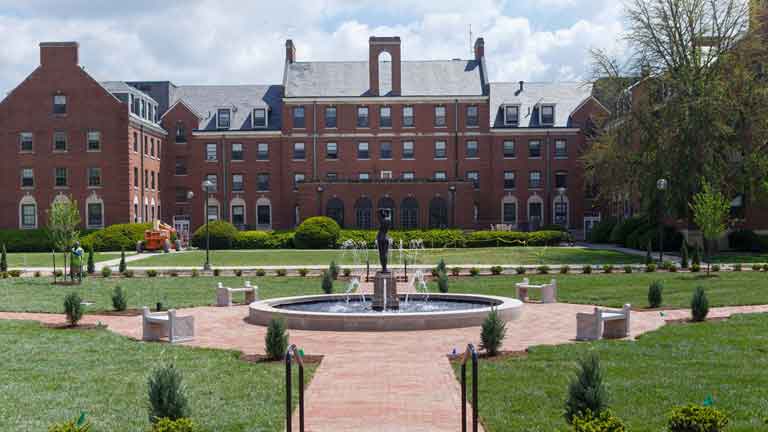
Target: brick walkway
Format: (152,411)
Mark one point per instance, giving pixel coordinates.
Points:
(384,381)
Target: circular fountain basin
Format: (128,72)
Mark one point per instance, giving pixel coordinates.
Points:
(421,312)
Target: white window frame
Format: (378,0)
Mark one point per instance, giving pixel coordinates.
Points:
(88,141)
(218,118)
(386,175)
(27,200)
(509,121)
(440,176)
(22,177)
(413,150)
(444,116)
(409,175)
(266,118)
(242,182)
(208,152)
(22,136)
(303,150)
(258,152)
(94,199)
(445,150)
(88,177)
(212,202)
(412,116)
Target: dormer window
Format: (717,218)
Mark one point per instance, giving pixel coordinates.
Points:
(547,115)
(223,119)
(260,118)
(59,104)
(511,115)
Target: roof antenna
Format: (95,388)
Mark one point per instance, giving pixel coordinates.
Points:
(471,48)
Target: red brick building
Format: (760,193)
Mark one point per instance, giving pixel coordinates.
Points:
(433,141)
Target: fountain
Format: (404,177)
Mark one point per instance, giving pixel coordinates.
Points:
(384,282)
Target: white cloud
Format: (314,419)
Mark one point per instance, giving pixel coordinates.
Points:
(209,41)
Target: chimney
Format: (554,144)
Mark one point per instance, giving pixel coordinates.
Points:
(479,49)
(58,54)
(520,90)
(290,52)
(376,46)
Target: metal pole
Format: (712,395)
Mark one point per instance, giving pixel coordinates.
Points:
(463,397)
(474,391)
(288,419)
(301,397)
(661,228)
(207,265)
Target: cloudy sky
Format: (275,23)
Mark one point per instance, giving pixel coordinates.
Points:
(222,42)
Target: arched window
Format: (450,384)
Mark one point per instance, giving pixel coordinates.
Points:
(135,209)
(364,213)
(237,212)
(28,212)
(409,213)
(509,210)
(560,206)
(94,212)
(335,210)
(388,204)
(385,73)
(535,212)
(152,209)
(438,213)
(263,213)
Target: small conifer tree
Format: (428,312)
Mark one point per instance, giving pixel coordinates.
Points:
(586,393)
(167,394)
(492,334)
(699,305)
(122,267)
(276,340)
(91,263)
(327,283)
(3,260)
(684,256)
(442,282)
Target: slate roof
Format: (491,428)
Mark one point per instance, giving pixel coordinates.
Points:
(123,87)
(206,100)
(566,96)
(350,79)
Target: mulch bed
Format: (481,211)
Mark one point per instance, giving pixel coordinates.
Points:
(681,321)
(125,313)
(503,355)
(67,326)
(261,358)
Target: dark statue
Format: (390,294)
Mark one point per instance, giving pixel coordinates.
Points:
(382,241)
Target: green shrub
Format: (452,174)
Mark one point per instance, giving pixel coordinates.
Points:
(319,232)
(238,272)
(280,240)
(115,237)
(765,267)
(543,269)
(628,269)
(346,272)
(173,273)
(605,422)
(696,260)
(667,265)
(757,267)
(260,272)
(37,274)
(655,294)
(455,271)
(195,273)
(253,240)
(479,239)
(35,240)
(684,256)
(694,418)
(564,269)
(622,230)
(178,425)
(545,238)
(276,340)
(78,425)
(128,274)
(119,300)
(222,235)
(14,273)
(303,272)
(715,268)
(601,232)
(91,266)
(586,392)
(695,268)
(4,275)
(492,334)
(608,268)
(152,273)
(441,268)
(3,260)
(327,283)
(520,270)
(745,240)
(737,267)
(333,270)
(650,268)
(73,308)
(57,273)
(281,272)
(167,394)
(474,271)
(106,272)
(442,282)
(496,270)
(699,305)
(587,269)
(122,267)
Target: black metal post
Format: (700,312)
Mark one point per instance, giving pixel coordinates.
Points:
(469,352)
(661,228)
(301,397)
(463,397)
(474,392)
(288,392)
(207,265)
(292,350)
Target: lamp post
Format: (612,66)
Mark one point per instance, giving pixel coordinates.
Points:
(190,195)
(561,196)
(452,189)
(207,187)
(661,185)
(320,190)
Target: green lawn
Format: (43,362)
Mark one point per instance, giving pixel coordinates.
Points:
(506,256)
(739,257)
(39,295)
(677,364)
(49,376)
(43,259)
(723,289)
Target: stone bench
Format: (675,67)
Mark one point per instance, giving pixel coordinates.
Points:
(603,323)
(224,294)
(548,291)
(158,325)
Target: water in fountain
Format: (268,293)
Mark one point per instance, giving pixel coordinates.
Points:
(359,252)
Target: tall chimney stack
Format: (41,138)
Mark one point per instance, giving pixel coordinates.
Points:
(479,49)
(290,52)
(59,54)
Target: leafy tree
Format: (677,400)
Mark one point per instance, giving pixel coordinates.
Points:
(586,393)
(710,212)
(91,263)
(122,267)
(63,223)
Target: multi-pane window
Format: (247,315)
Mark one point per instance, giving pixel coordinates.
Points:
(223,119)
(237,183)
(214,179)
(181,166)
(298,151)
(511,115)
(561,149)
(27,177)
(25,142)
(264,215)
(95,214)
(152,177)
(94,177)
(363,151)
(472,150)
(59,141)
(534,179)
(181,133)
(213,212)
(331,176)
(408,150)
(561,179)
(135,177)
(408,118)
(474,177)
(211,152)
(28,216)
(509,179)
(440,176)
(547,114)
(181,195)
(440,150)
(237,152)
(298,178)
(509,215)
(94,141)
(262,182)
(135,142)
(386,175)
(259,117)
(331,150)
(509,149)
(364,176)
(262,151)
(385,150)
(385,116)
(152,147)
(362,117)
(440,117)
(238,215)
(60,176)
(409,175)
(298,117)
(472,116)
(59,104)
(534,149)
(330,117)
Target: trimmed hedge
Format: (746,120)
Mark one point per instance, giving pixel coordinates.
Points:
(601,233)
(35,240)
(745,240)
(496,238)
(222,235)
(625,228)
(319,232)
(115,237)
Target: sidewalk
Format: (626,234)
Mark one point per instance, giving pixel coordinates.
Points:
(628,251)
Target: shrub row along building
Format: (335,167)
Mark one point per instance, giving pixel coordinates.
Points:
(433,141)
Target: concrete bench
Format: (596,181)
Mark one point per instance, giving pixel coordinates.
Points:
(158,325)
(224,294)
(548,291)
(603,323)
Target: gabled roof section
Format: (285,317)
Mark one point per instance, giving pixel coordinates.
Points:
(206,100)
(565,96)
(123,87)
(350,79)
